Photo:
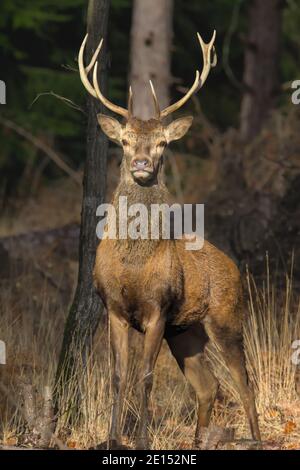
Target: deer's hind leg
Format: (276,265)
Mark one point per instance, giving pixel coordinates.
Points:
(225,328)
(188,350)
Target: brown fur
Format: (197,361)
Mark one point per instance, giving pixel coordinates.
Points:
(159,288)
(144,126)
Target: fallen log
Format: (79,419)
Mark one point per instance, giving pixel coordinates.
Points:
(66,238)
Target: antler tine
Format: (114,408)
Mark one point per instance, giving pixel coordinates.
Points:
(94,58)
(95,90)
(199,80)
(83,71)
(208,62)
(155,100)
(130,102)
(184,99)
(113,107)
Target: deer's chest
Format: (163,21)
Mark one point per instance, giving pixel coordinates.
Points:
(136,290)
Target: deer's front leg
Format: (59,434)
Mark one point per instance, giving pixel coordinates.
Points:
(119,343)
(153,339)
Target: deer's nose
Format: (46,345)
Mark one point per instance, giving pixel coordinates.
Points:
(140,164)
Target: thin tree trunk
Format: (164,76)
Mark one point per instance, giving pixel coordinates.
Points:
(261,65)
(151,37)
(86,309)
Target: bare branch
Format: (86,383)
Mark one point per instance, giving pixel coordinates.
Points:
(67,101)
(38,143)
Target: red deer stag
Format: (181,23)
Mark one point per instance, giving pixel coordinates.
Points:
(157,286)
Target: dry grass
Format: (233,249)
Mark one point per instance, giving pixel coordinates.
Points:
(44,210)
(32,324)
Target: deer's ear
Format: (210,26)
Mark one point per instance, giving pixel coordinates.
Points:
(178,128)
(111,127)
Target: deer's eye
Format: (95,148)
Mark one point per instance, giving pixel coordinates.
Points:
(162,143)
(125,142)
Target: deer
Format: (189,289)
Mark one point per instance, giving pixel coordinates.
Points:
(187,297)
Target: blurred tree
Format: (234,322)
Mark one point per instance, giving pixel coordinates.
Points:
(35,60)
(86,309)
(261,72)
(150,56)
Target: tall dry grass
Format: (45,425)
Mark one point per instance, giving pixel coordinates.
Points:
(32,326)
(272,324)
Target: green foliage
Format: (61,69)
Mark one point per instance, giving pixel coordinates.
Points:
(37,39)
(290,59)
(34,16)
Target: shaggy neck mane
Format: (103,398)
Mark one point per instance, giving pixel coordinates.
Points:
(137,194)
(137,251)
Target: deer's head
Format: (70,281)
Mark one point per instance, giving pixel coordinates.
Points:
(143,142)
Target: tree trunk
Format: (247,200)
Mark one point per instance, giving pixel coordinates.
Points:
(261,65)
(86,309)
(151,37)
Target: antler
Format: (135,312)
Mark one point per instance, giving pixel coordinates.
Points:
(156,103)
(208,62)
(95,90)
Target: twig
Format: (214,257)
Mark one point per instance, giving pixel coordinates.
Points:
(18,448)
(69,68)
(65,100)
(41,146)
(282,163)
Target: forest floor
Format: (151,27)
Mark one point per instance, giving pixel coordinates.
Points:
(36,289)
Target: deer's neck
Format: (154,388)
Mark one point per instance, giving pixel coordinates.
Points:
(146,195)
(131,250)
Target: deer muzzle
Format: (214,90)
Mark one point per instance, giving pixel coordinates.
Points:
(141,168)
(143,164)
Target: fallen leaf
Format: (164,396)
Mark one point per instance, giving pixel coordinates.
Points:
(272,413)
(184,445)
(289,427)
(11,441)
(292,446)
(72,444)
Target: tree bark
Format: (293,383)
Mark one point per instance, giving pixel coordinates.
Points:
(261,79)
(151,37)
(86,309)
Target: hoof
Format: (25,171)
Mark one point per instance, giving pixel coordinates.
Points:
(211,437)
